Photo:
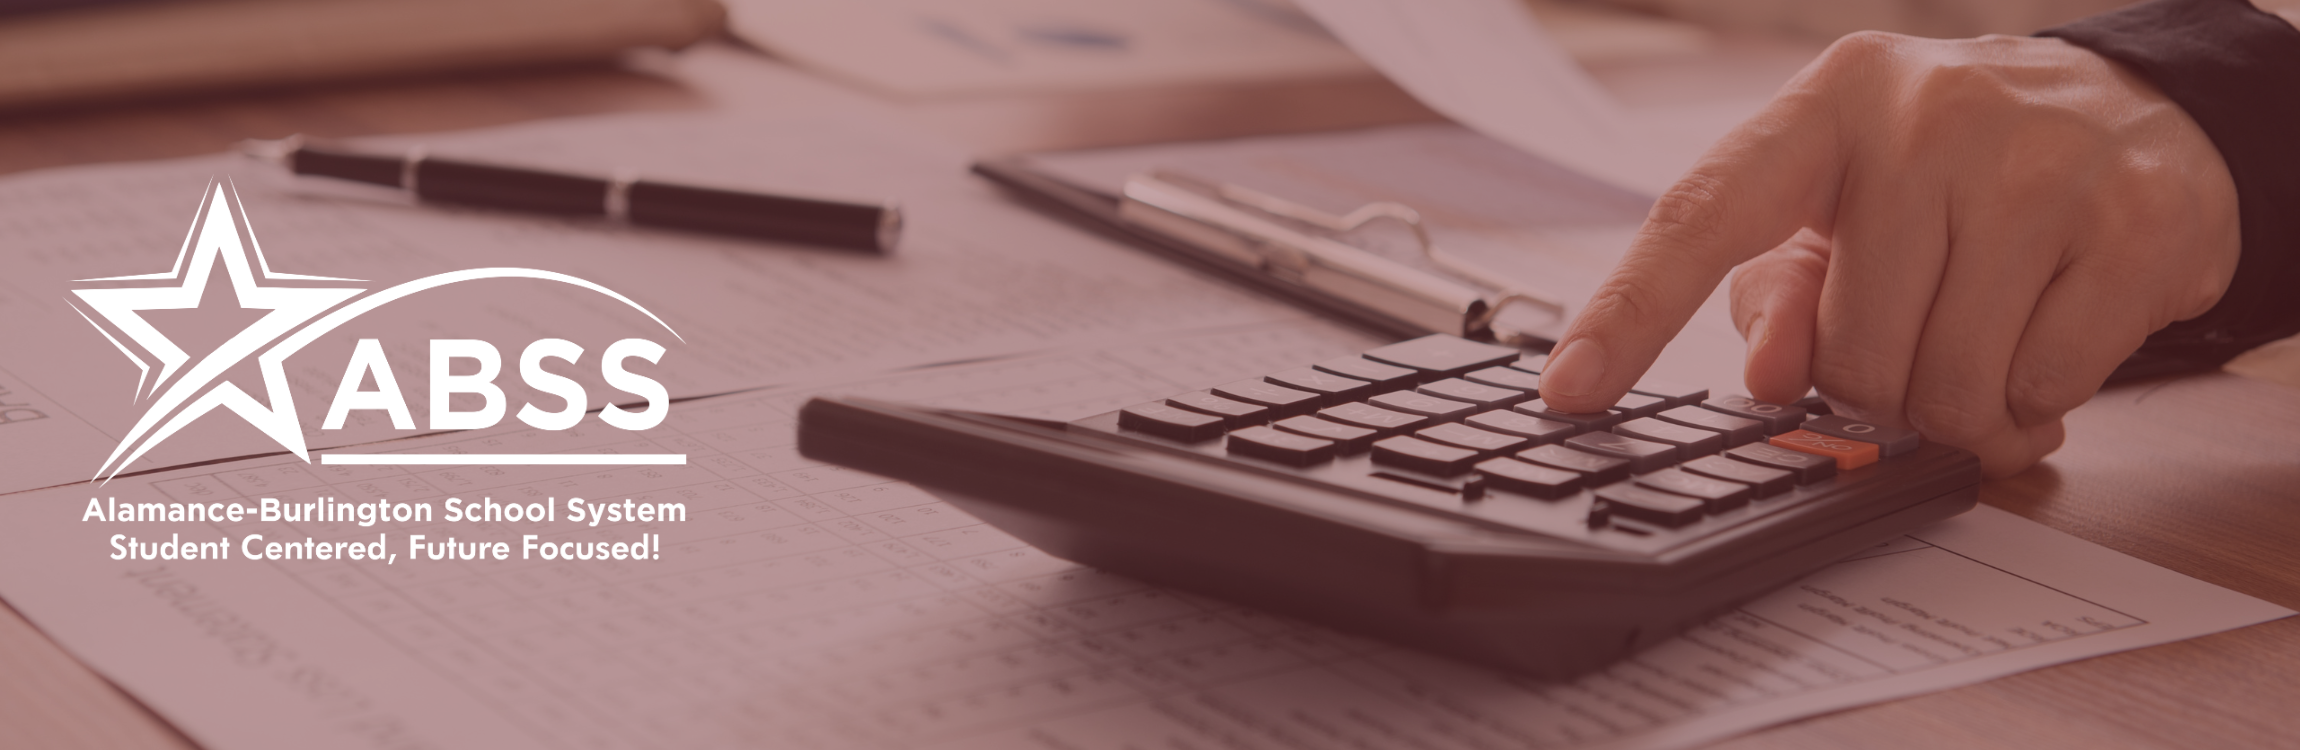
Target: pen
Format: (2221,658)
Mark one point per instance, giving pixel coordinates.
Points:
(645,202)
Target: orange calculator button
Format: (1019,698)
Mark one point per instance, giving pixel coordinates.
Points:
(1850,454)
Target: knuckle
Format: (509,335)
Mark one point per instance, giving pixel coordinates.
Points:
(1626,300)
(1863,49)
(1695,207)
(1848,76)
(1958,99)
(2156,228)
(1857,379)
(1956,419)
(2045,151)
(2110,268)
(2041,391)
(2150,280)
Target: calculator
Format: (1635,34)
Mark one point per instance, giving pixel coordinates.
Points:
(1423,493)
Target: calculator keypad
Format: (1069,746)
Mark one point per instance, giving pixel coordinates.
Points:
(1458,425)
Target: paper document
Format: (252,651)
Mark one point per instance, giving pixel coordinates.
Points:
(930,48)
(808,606)
(1488,65)
(947,47)
(976,276)
(1505,71)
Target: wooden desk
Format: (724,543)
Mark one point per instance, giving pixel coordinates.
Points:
(2200,475)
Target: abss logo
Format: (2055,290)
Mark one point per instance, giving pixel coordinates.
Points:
(296,314)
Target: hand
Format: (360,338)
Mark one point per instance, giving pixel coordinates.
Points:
(1960,236)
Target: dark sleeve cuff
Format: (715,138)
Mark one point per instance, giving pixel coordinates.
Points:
(2236,70)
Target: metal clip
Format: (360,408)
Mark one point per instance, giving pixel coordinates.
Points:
(1236,223)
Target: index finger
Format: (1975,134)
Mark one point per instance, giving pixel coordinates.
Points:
(1773,175)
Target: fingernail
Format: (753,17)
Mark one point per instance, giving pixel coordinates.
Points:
(1755,333)
(1574,369)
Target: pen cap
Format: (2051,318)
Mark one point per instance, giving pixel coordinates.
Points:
(849,225)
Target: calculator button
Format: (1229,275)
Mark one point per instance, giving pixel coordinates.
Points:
(1472,488)
(1444,355)
(1233,413)
(1503,377)
(1382,421)
(1282,447)
(1807,467)
(1586,422)
(1331,388)
(1626,500)
(1691,442)
(1738,431)
(1542,431)
(1425,405)
(1634,405)
(1850,454)
(1674,393)
(1721,495)
(1778,418)
(1518,476)
(1170,423)
(1598,469)
(1643,456)
(1352,439)
(1407,452)
(1367,370)
(1462,436)
(1766,480)
(1891,441)
(1482,395)
(1282,401)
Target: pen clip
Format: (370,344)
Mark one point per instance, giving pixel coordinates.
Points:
(1234,221)
(1504,291)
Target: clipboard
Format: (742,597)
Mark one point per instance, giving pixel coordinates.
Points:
(1245,235)
(1291,251)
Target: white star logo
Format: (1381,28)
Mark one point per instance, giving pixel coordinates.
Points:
(178,394)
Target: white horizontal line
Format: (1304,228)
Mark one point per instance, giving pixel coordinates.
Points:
(505,459)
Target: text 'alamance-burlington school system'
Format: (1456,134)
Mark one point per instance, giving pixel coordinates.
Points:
(330,510)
